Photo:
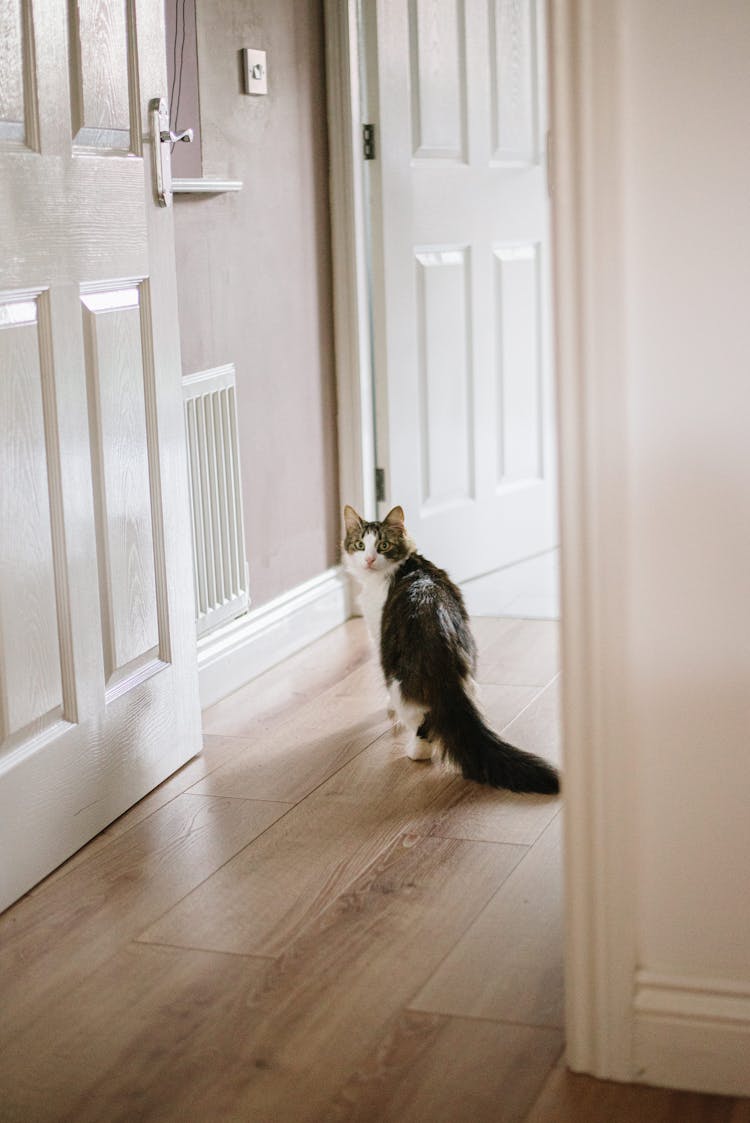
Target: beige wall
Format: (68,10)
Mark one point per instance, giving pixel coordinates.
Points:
(688,198)
(254,278)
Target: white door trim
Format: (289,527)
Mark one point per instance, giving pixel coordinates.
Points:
(351,315)
(590,278)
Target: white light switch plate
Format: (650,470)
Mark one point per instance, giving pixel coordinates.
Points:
(256,74)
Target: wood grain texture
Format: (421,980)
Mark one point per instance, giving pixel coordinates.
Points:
(260,901)
(30,673)
(285,1047)
(216,751)
(99,81)
(117,416)
(290,761)
(321,1013)
(12,109)
(361,909)
(136,1040)
(431,1067)
(57,935)
(571,1098)
(508,965)
(326,663)
(44,245)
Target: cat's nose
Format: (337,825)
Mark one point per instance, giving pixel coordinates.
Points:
(370,562)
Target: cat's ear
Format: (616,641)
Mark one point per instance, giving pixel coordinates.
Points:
(352,521)
(395,517)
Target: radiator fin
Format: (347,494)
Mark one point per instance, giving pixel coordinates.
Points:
(219,561)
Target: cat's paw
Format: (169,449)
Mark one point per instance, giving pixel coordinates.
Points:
(419,749)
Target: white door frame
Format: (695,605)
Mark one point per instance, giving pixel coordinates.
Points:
(351,315)
(590,322)
(589,280)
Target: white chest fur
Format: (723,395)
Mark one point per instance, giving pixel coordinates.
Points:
(373,591)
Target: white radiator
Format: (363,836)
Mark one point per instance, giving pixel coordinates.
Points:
(219,562)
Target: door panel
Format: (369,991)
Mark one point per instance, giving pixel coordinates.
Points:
(517,283)
(515,85)
(31,686)
(101,80)
(98,682)
(459,214)
(444,355)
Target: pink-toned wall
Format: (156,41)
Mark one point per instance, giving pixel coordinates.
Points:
(254,278)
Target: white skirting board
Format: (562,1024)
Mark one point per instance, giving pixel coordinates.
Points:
(692,1033)
(231,656)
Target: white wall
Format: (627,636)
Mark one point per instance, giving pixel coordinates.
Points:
(688,198)
(658,109)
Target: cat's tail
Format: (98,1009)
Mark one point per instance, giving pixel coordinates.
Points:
(480,754)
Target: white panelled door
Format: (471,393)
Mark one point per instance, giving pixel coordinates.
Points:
(98,680)
(460,244)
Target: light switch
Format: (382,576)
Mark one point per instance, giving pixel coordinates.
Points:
(256,75)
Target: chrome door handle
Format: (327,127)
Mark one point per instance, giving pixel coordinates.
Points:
(186,135)
(162,139)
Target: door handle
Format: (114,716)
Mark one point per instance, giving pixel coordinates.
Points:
(162,139)
(186,135)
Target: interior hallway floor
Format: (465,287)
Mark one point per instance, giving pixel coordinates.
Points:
(528,590)
(303,924)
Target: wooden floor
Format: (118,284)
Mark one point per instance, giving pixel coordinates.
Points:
(302,924)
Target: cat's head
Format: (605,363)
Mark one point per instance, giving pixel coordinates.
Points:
(375,547)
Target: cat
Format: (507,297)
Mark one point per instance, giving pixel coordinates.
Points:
(418,622)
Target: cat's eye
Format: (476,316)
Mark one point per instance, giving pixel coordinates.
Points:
(359,545)
(384,547)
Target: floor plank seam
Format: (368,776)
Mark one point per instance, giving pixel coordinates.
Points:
(247,798)
(523,858)
(472,921)
(155,920)
(542,690)
(485,1018)
(137,941)
(103,846)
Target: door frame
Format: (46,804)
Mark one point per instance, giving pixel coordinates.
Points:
(590,284)
(351,300)
(589,320)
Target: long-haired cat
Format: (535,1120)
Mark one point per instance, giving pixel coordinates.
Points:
(417,620)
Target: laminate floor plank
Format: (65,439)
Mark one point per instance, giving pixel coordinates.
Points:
(259,902)
(216,751)
(448,1070)
(287,762)
(299,678)
(572,1098)
(394,932)
(508,965)
(517,652)
(53,939)
(176,1036)
(148,1035)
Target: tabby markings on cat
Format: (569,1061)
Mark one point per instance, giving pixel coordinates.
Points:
(418,623)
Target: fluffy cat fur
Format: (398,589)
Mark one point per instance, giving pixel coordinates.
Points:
(418,622)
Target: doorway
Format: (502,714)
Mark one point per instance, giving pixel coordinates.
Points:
(441,235)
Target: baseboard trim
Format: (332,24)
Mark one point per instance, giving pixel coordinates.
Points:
(237,652)
(692,1033)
